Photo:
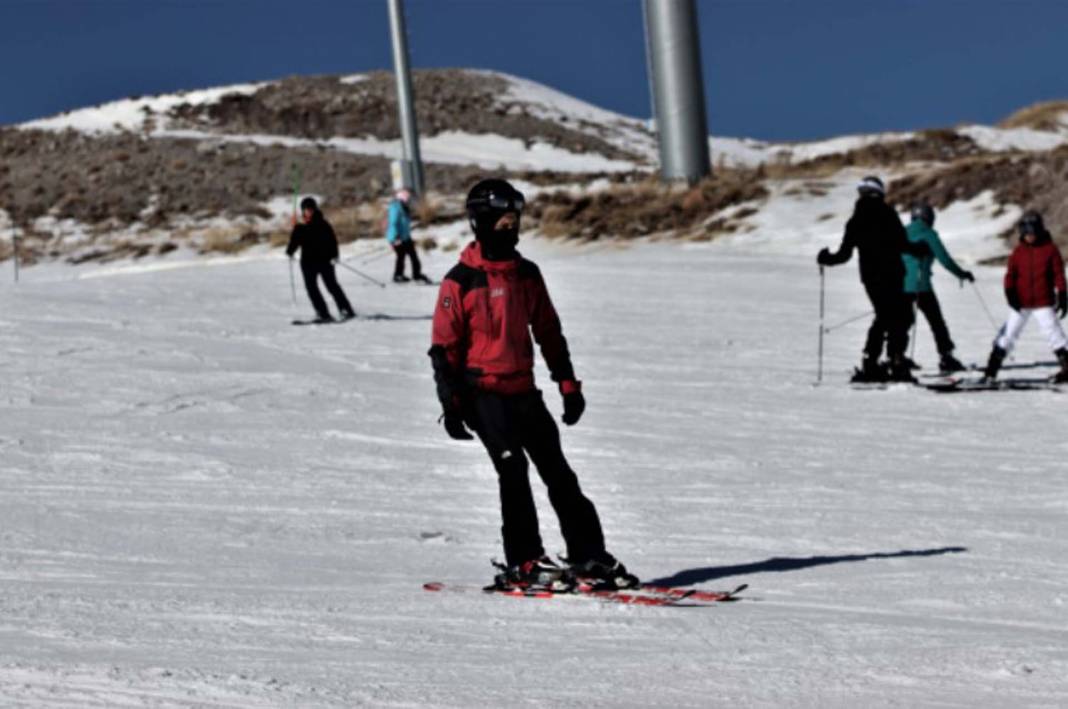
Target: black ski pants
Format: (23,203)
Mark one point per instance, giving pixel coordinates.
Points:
(312,270)
(513,427)
(927,302)
(893,318)
(402,249)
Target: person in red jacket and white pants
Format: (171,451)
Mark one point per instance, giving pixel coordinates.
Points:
(488,306)
(1034,283)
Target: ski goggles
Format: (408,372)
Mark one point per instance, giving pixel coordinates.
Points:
(513,202)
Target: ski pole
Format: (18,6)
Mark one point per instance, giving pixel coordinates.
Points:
(915,324)
(819,365)
(982,302)
(846,322)
(295,173)
(376,255)
(292,283)
(15,247)
(361,274)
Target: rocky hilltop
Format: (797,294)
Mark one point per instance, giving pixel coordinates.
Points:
(216,169)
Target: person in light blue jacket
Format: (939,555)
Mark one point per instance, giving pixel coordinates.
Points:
(918,288)
(399,236)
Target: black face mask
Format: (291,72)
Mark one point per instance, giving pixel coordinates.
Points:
(498,244)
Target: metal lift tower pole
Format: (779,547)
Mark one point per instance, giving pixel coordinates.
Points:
(413,163)
(674,50)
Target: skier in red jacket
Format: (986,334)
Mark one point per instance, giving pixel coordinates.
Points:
(483,358)
(1034,282)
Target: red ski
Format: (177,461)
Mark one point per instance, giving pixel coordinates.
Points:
(641,596)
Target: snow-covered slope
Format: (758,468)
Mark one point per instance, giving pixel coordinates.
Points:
(203,506)
(802,215)
(131,114)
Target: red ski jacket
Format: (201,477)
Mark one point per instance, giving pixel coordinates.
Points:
(483,320)
(1034,272)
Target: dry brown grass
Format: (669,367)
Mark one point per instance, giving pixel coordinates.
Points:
(648,207)
(427,209)
(1049,115)
(926,146)
(353,222)
(1029,180)
(229,240)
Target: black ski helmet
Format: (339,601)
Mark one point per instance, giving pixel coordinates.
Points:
(1031,223)
(871,186)
(922,212)
(487,202)
(309,203)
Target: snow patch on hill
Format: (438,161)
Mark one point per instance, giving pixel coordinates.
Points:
(802,216)
(130,114)
(628,133)
(1002,139)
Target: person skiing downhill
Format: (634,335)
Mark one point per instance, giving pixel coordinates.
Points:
(488,306)
(318,250)
(399,236)
(918,289)
(1034,282)
(876,232)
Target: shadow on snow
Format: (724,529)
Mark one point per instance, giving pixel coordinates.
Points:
(384,316)
(690,577)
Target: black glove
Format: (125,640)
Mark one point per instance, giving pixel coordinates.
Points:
(1062,304)
(449,394)
(454,426)
(574,401)
(1014,300)
(823,258)
(968,277)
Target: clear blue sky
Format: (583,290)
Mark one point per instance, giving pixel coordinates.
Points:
(774,69)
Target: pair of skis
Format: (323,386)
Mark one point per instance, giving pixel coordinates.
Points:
(950,384)
(644,595)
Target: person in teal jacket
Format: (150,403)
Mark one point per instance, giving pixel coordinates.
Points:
(399,236)
(918,288)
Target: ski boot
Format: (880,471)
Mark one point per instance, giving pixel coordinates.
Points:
(948,364)
(400,278)
(997,356)
(347,315)
(900,370)
(422,279)
(869,371)
(322,319)
(1061,377)
(541,574)
(604,573)
(910,363)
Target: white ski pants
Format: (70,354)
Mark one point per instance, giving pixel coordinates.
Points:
(1047,322)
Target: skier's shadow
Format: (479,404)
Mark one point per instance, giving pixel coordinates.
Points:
(690,577)
(384,316)
(1028,365)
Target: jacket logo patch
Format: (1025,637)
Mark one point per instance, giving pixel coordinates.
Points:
(496,292)
(446,302)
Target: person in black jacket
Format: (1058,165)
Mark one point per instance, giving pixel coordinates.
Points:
(876,232)
(318,250)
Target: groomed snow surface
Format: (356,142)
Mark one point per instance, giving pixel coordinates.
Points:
(204,506)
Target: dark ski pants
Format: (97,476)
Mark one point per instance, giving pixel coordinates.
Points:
(402,249)
(511,428)
(893,318)
(927,302)
(312,270)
